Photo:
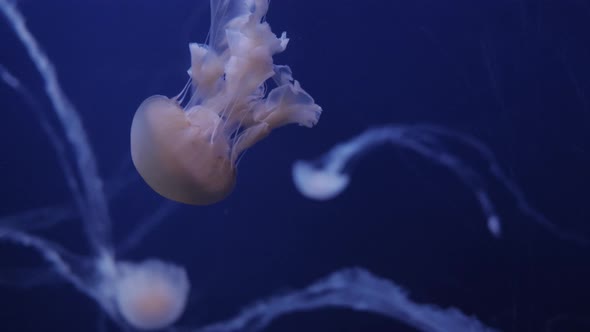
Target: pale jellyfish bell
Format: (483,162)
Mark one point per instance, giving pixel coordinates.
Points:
(148,295)
(152,294)
(317,183)
(188,154)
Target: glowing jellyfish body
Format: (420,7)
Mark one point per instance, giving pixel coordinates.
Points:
(188,154)
(318,184)
(147,295)
(151,295)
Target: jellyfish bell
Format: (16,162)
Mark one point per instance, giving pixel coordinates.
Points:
(316,183)
(188,153)
(173,151)
(152,294)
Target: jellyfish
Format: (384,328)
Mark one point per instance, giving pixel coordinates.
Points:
(151,295)
(188,153)
(146,295)
(328,176)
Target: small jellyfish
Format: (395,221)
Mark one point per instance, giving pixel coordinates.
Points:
(189,153)
(318,184)
(147,295)
(151,295)
(327,177)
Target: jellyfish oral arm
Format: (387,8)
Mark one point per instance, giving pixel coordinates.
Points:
(229,76)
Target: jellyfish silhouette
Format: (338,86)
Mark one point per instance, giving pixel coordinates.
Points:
(188,154)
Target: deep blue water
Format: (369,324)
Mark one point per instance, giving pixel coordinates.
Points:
(515,74)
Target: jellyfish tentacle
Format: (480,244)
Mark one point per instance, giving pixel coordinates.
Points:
(513,189)
(51,132)
(41,218)
(355,289)
(146,225)
(96,210)
(62,261)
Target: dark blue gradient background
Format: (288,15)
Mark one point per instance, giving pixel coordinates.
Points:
(513,73)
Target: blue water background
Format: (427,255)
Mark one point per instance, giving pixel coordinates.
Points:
(514,74)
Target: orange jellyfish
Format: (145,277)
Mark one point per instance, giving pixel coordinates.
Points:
(188,153)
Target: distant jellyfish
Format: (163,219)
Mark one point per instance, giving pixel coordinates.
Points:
(328,176)
(146,295)
(152,294)
(317,183)
(188,153)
